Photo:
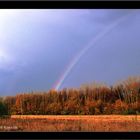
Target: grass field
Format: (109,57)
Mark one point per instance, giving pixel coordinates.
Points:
(47,123)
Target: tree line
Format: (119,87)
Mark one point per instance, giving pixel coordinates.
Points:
(90,99)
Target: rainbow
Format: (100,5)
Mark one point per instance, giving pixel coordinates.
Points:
(90,44)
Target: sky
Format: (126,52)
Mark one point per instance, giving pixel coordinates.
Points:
(41,49)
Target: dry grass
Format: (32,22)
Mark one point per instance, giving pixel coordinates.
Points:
(47,123)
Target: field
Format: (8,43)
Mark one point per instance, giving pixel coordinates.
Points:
(61,123)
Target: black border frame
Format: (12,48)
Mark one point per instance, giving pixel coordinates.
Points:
(67,4)
(5,4)
(70,135)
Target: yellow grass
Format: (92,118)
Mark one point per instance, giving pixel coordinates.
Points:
(60,123)
(77,117)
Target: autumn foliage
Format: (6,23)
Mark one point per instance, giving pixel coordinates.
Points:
(94,99)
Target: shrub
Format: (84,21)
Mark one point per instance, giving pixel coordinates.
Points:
(3,110)
(129,112)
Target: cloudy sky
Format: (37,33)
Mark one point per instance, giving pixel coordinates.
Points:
(44,49)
